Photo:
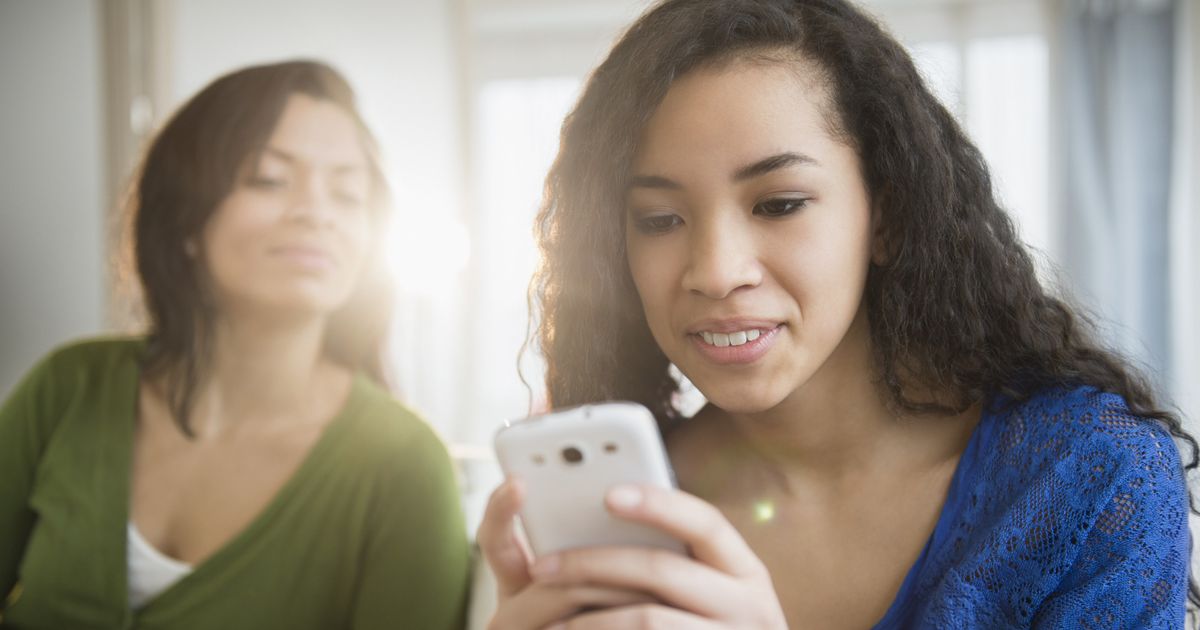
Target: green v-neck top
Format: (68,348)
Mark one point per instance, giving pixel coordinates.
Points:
(367,533)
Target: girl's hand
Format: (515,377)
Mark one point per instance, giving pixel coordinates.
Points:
(523,604)
(723,584)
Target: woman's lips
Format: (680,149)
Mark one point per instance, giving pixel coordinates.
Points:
(311,259)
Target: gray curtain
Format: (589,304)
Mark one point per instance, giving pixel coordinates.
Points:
(1115,121)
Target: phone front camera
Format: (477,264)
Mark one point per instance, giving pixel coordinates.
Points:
(572,455)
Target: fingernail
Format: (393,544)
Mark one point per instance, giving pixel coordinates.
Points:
(625,497)
(545,567)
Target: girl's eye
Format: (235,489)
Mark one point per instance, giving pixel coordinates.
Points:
(780,207)
(657,223)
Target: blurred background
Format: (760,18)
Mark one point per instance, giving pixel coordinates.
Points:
(1087,111)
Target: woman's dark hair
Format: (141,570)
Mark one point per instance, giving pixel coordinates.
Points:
(192,165)
(957,308)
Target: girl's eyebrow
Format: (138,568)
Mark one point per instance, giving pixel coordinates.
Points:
(653,181)
(774,163)
(750,171)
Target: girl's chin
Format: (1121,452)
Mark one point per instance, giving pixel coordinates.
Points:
(741,402)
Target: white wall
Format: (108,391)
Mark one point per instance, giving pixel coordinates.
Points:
(52,196)
(396,53)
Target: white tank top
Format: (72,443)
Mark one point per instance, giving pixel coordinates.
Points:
(150,571)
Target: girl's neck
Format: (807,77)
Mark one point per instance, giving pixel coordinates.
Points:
(840,424)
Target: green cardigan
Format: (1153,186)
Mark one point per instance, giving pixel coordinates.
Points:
(367,533)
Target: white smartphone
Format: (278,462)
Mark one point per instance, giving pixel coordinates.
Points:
(569,459)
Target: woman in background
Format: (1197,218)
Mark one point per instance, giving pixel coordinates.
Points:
(242,465)
(904,429)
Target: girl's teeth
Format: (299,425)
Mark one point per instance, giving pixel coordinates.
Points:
(722,340)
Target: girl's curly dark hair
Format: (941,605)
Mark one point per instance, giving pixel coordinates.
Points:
(957,309)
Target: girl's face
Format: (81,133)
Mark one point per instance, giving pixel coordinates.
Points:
(749,233)
(292,235)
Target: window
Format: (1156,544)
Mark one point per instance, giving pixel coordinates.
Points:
(990,65)
(517,123)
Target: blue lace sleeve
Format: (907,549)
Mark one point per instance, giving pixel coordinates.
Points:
(1131,570)
(1067,511)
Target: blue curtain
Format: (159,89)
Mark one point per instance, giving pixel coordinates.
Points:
(1117,73)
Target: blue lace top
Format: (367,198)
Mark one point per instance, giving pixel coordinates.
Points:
(1066,511)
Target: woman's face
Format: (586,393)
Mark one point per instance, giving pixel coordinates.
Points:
(291,238)
(749,233)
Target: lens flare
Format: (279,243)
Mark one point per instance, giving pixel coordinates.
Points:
(764,511)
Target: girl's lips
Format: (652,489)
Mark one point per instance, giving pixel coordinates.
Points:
(745,353)
(733,325)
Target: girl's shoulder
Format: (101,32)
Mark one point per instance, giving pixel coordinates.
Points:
(1091,428)
(1070,451)
(1065,498)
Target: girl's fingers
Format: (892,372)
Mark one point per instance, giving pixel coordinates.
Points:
(640,616)
(672,578)
(541,605)
(497,538)
(712,539)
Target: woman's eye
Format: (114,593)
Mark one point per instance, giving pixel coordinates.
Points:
(780,207)
(267,183)
(349,199)
(657,223)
